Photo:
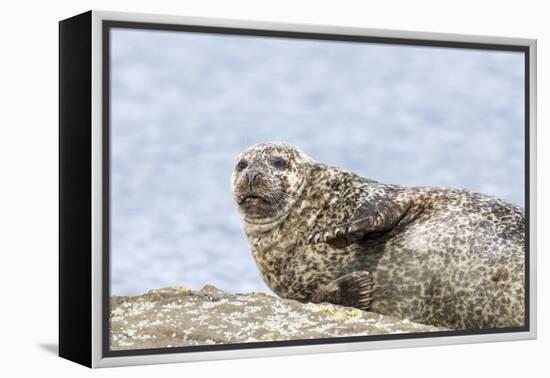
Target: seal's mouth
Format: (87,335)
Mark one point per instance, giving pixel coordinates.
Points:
(249,197)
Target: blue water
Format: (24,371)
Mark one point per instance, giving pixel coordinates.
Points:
(185,104)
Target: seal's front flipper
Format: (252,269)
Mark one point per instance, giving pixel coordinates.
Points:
(370,218)
(353,289)
(338,236)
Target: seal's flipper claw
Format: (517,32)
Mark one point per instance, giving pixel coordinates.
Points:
(342,235)
(316,238)
(354,289)
(339,236)
(358,289)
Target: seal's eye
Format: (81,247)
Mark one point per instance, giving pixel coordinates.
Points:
(279,162)
(241,165)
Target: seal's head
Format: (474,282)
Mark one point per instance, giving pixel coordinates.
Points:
(267,180)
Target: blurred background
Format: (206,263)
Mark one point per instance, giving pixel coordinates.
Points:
(185,104)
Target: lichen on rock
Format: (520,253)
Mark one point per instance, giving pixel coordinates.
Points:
(179,316)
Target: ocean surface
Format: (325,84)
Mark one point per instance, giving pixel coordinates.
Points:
(185,104)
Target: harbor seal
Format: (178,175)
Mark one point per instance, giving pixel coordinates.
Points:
(445,257)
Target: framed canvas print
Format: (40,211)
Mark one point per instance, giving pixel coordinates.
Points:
(232,189)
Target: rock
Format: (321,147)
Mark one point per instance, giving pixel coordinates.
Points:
(179,316)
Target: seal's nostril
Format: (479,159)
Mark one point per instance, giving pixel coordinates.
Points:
(251,177)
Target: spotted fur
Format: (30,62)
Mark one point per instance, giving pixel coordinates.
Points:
(445,257)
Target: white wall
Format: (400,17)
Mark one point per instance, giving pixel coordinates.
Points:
(28,200)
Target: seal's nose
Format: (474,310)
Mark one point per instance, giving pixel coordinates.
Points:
(251,177)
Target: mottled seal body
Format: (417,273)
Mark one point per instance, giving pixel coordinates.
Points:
(445,257)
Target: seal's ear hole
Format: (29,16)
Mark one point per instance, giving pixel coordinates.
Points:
(279,162)
(501,274)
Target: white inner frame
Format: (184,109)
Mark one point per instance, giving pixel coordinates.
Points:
(99,361)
